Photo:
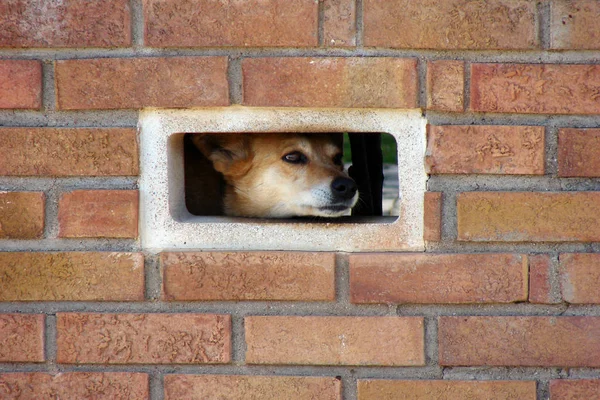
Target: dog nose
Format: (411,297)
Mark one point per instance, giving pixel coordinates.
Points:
(343,188)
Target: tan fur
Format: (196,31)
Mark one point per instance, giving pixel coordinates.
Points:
(261,184)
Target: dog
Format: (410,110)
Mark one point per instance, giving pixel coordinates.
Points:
(280,175)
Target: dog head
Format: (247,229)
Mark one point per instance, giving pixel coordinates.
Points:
(281,175)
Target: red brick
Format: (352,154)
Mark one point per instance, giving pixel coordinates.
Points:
(251,387)
(21,338)
(339,23)
(579,153)
(574,24)
(451,24)
(21,215)
(98,213)
(74,386)
(330,82)
(458,149)
(68,152)
(86,338)
(519,341)
(535,88)
(575,389)
(376,389)
(71,276)
(438,278)
(20,83)
(112,83)
(389,341)
(249,276)
(257,23)
(432,217)
(580,278)
(529,216)
(73,23)
(541,289)
(446,85)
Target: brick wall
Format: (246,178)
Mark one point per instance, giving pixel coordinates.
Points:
(504,304)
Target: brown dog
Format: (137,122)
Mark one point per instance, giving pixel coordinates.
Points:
(277,175)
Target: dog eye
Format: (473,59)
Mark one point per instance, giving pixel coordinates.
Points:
(337,159)
(295,157)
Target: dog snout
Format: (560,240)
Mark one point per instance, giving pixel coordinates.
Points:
(343,188)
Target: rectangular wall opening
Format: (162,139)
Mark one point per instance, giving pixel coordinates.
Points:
(370,160)
(181,195)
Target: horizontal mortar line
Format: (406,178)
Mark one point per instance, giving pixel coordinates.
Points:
(491,373)
(454,247)
(291,309)
(514,56)
(476,118)
(70,245)
(457,183)
(119,118)
(69,183)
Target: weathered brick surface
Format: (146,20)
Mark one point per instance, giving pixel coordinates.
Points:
(540,280)
(438,278)
(73,23)
(519,341)
(98,213)
(233,387)
(85,338)
(451,24)
(432,216)
(20,83)
(574,24)
(580,278)
(575,389)
(529,216)
(330,82)
(68,152)
(579,152)
(21,215)
(249,276)
(339,23)
(112,83)
(379,389)
(188,23)
(21,338)
(446,85)
(460,149)
(391,341)
(535,88)
(76,276)
(74,386)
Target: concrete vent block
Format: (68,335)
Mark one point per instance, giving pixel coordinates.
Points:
(165,222)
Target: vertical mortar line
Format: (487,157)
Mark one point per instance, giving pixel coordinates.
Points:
(349,387)
(235,79)
(467,87)
(156,386)
(359,24)
(543,389)
(238,340)
(551,149)
(137,23)
(342,278)
(48,89)
(51,225)
(152,277)
(422,82)
(321,23)
(554,277)
(449,217)
(544,13)
(431,341)
(50,342)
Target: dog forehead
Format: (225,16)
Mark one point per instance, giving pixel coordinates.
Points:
(316,142)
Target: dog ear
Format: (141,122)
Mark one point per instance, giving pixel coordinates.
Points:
(224,150)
